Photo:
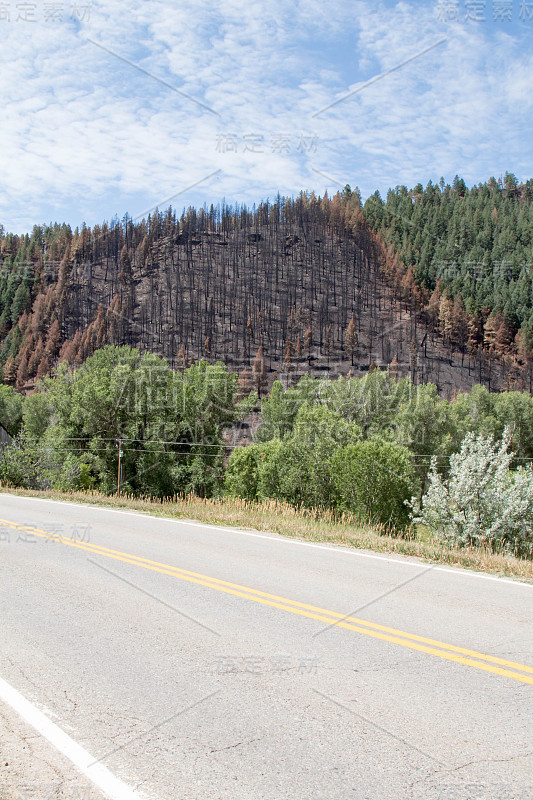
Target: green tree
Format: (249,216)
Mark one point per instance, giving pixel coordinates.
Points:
(242,473)
(21,302)
(279,410)
(373,479)
(169,424)
(10,409)
(302,462)
(37,413)
(425,424)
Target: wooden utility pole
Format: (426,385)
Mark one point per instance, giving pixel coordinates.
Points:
(119,464)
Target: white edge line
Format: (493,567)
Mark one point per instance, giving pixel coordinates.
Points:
(112,787)
(461,572)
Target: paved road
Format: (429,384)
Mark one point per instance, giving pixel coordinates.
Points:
(197,662)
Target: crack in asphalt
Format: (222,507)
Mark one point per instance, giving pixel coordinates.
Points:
(451,770)
(233,746)
(491,761)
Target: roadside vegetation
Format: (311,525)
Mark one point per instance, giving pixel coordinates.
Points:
(373,459)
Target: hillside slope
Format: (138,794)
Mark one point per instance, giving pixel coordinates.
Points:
(294,286)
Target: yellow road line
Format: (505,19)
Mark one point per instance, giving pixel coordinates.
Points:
(422,644)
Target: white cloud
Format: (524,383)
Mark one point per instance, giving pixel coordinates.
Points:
(84,131)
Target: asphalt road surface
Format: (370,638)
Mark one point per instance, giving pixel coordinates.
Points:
(151,658)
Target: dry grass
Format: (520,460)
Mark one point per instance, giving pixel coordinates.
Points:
(314,525)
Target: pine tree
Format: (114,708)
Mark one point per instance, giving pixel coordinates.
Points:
(68,352)
(351,340)
(446,318)
(126,272)
(181,359)
(44,367)
(259,373)
(53,340)
(244,387)
(504,338)
(36,358)
(491,331)
(475,335)
(10,370)
(76,349)
(21,302)
(22,372)
(433,308)
(38,319)
(394,369)
(114,321)
(288,366)
(409,287)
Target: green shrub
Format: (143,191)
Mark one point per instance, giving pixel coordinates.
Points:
(483,501)
(373,479)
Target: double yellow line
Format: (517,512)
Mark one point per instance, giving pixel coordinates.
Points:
(460,655)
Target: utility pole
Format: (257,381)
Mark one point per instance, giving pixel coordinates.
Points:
(119,464)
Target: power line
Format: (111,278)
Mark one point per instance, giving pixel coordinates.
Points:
(184,445)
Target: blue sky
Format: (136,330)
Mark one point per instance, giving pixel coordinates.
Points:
(236,102)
